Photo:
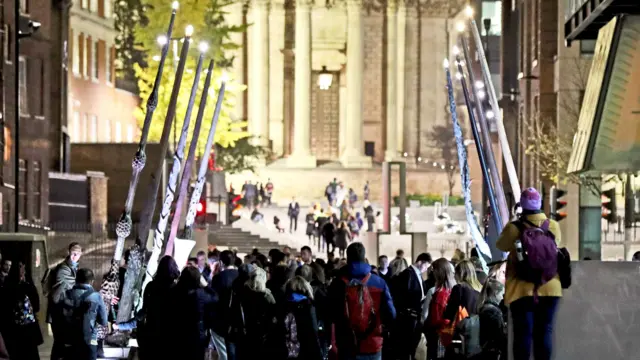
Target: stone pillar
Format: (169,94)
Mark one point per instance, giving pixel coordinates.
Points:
(353,156)
(391,149)
(301,156)
(343,112)
(400,48)
(276,77)
(234,18)
(259,75)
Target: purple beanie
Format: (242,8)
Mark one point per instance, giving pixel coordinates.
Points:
(530,199)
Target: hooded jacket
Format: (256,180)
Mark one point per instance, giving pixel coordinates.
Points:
(383,306)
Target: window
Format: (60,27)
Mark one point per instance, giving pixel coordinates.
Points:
(7,43)
(107,60)
(76,130)
(130,131)
(75,54)
(22,87)
(118,135)
(85,56)
(24,6)
(107,131)
(85,125)
(107,9)
(93,128)
(37,190)
(22,189)
(93,6)
(94,60)
(492,10)
(587,47)
(85,4)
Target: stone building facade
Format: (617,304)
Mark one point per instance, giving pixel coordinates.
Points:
(38,104)
(388,88)
(99,109)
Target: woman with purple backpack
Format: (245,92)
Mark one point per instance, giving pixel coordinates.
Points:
(533,287)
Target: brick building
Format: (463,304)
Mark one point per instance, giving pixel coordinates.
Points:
(98,110)
(40,84)
(544,84)
(388,83)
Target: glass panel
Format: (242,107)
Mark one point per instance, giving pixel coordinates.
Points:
(492,10)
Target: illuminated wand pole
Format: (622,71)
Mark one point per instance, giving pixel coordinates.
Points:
(186,174)
(137,251)
(493,98)
(486,137)
(465,178)
(497,218)
(111,282)
(178,156)
(202,171)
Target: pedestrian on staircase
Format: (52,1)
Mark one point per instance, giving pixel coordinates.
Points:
(293,212)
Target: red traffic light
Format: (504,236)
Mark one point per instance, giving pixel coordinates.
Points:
(201,207)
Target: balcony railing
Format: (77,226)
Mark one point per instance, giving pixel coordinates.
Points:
(571,7)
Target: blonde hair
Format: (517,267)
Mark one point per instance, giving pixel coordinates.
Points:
(299,285)
(257,280)
(466,273)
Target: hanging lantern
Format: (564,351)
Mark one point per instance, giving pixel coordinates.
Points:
(325,79)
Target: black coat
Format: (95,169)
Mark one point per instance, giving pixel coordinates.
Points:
(21,340)
(260,325)
(306,320)
(190,318)
(461,295)
(222,285)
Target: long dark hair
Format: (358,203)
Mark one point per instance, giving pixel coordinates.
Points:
(443,273)
(168,270)
(13,278)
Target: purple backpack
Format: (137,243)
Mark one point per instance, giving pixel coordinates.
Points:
(540,260)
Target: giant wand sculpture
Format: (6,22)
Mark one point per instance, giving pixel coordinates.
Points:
(136,255)
(158,236)
(502,134)
(465,180)
(202,172)
(111,282)
(484,131)
(186,174)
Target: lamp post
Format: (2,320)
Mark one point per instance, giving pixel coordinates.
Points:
(325,79)
(24,28)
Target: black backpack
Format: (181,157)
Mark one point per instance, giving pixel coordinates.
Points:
(74,311)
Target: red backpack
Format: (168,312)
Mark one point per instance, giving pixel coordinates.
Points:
(359,309)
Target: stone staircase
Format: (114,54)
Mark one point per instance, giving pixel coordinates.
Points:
(228,237)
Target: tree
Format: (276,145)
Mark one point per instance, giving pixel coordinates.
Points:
(550,139)
(207,18)
(240,157)
(443,142)
(128,14)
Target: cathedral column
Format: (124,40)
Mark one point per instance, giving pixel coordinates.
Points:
(259,75)
(301,155)
(400,79)
(391,152)
(353,156)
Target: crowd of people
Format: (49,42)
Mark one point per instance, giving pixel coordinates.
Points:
(277,306)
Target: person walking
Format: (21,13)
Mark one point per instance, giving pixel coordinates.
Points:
(533,306)
(293,212)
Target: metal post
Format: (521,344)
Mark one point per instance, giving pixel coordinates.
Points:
(386,197)
(403,197)
(16,114)
(629,205)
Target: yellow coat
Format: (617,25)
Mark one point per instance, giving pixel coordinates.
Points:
(516,288)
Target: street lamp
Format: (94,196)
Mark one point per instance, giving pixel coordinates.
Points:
(325,79)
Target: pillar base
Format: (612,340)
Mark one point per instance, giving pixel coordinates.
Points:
(392,156)
(356,161)
(301,161)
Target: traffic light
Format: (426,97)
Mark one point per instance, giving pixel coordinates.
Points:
(556,204)
(201,210)
(609,205)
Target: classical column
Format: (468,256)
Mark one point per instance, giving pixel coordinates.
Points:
(301,156)
(234,18)
(391,152)
(276,77)
(400,48)
(353,156)
(259,76)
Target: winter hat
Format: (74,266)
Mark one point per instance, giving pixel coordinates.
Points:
(530,199)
